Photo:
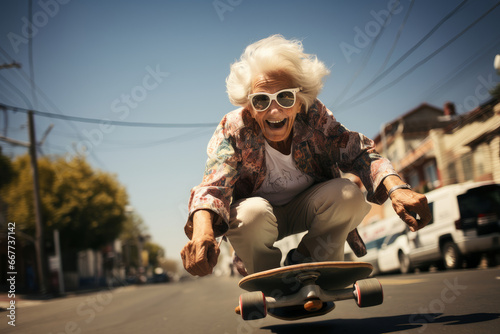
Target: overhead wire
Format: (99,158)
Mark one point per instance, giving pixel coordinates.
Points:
(420,63)
(366,57)
(396,39)
(30,54)
(432,91)
(110,122)
(4,96)
(404,56)
(178,138)
(18,92)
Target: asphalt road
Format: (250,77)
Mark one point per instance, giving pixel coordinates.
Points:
(465,301)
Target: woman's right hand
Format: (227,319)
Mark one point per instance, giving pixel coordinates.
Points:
(200,254)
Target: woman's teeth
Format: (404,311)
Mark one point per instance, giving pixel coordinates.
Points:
(276,124)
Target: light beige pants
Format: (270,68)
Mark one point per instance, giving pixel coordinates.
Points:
(328,211)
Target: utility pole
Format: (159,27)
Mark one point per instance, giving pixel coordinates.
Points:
(39,238)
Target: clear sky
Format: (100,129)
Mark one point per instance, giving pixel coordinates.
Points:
(166,62)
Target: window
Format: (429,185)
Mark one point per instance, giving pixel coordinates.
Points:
(452,172)
(414,180)
(480,208)
(431,208)
(431,176)
(467,167)
(375,243)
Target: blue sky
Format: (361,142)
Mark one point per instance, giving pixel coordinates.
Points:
(166,62)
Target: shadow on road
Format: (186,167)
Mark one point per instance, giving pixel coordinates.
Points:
(381,324)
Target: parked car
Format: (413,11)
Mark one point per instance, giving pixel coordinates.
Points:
(465,225)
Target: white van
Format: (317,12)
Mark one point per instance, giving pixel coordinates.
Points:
(465,225)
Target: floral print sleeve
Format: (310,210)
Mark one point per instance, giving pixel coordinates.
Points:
(221,173)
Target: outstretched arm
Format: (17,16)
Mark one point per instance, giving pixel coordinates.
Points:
(406,201)
(200,254)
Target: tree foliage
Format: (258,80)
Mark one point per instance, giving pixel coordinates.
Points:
(6,170)
(156,252)
(86,205)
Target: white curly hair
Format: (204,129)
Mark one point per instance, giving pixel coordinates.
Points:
(276,54)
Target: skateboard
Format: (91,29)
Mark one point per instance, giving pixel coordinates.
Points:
(307,290)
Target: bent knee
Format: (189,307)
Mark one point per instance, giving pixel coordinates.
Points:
(350,191)
(255,208)
(339,191)
(253,220)
(253,211)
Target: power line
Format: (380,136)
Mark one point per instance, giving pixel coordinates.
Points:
(179,138)
(49,102)
(110,122)
(30,54)
(406,55)
(396,40)
(420,63)
(432,91)
(367,56)
(19,92)
(5,96)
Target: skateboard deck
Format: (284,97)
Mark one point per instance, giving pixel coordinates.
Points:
(307,290)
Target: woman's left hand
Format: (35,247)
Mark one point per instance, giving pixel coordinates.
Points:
(407,203)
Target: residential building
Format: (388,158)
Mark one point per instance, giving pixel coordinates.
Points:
(432,147)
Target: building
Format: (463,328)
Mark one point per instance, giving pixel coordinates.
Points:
(470,150)
(407,143)
(432,147)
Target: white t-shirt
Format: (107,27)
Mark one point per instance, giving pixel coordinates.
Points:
(284,180)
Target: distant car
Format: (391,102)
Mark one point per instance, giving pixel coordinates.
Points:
(160,276)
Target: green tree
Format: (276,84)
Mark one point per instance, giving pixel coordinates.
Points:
(86,205)
(156,253)
(6,170)
(133,232)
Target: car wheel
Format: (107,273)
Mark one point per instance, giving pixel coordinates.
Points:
(452,259)
(404,263)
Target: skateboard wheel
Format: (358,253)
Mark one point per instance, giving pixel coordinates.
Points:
(368,292)
(253,305)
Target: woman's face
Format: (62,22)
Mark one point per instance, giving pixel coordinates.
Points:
(276,122)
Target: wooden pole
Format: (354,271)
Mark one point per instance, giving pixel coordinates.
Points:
(39,239)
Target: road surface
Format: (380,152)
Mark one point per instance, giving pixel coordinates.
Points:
(463,301)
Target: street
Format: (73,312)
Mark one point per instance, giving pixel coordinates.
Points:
(461,301)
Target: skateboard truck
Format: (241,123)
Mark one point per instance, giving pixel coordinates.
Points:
(365,292)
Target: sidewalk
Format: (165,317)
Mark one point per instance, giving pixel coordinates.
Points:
(23,300)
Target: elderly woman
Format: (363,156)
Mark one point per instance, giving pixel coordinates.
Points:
(274,169)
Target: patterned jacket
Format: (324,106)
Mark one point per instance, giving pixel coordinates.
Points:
(321,148)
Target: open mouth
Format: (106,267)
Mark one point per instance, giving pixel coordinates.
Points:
(276,124)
